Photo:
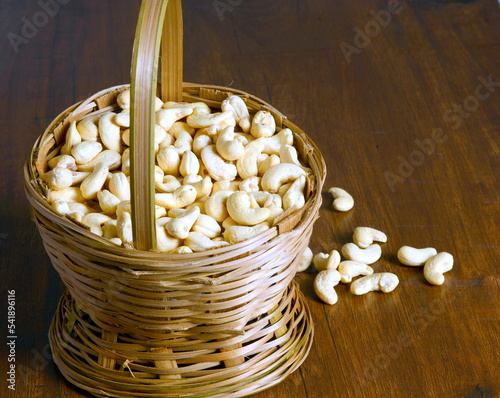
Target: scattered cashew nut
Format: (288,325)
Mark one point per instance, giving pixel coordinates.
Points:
(365,236)
(383,281)
(368,255)
(413,257)
(436,266)
(343,201)
(324,284)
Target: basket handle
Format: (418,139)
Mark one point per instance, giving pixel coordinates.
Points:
(160,21)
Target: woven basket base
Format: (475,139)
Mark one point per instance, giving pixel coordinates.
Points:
(275,345)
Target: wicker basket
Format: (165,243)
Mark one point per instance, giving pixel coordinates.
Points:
(134,323)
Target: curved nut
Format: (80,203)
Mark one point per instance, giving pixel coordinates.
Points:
(227,146)
(263,125)
(343,200)
(279,175)
(238,233)
(201,142)
(108,157)
(294,196)
(66,161)
(71,194)
(413,257)
(61,207)
(165,242)
(216,166)
(110,132)
(119,186)
(323,261)
(107,201)
(167,117)
(215,206)
(384,281)
(165,183)
(189,164)
(436,266)
(366,256)
(203,186)
(122,119)
(180,226)
(181,197)
(247,164)
(124,229)
(365,236)
(201,106)
(238,207)
(305,260)
(226,185)
(109,230)
(94,182)
(324,284)
(251,184)
(88,129)
(182,250)
(169,160)
(85,151)
(73,138)
(123,99)
(183,143)
(273,144)
(207,226)
(95,221)
(62,178)
(200,243)
(181,127)
(239,109)
(126,206)
(199,119)
(288,154)
(268,200)
(265,162)
(351,269)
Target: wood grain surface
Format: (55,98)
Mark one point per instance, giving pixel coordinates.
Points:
(403,99)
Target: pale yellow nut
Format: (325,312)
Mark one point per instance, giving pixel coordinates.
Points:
(167,117)
(436,266)
(305,260)
(227,146)
(164,241)
(71,194)
(323,261)
(182,250)
(95,221)
(365,236)
(119,186)
(368,255)
(413,257)
(202,107)
(251,184)
(201,119)
(247,163)
(343,201)
(123,99)
(179,128)
(200,243)
(122,119)
(66,161)
(324,285)
(294,196)
(207,226)
(61,178)
(110,133)
(94,182)
(265,162)
(124,229)
(263,125)
(215,206)
(109,230)
(238,207)
(216,165)
(189,164)
(126,206)
(288,154)
(85,151)
(280,174)
(81,208)
(183,143)
(61,207)
(169,160)
(384,281)
(73,138)
(201,142)
(269,201)
(181,197)
(203,187)
(107,202)
(272,145)
(87,127)
(226,185)
(110,158)
(179,227)
(351,269)
(240,111)
(239,233)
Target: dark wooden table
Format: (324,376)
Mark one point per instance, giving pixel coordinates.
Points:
(403,100)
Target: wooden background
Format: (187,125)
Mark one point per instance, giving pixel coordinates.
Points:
(428,68)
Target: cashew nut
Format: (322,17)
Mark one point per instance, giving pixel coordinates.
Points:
(216,166)
(109,230)
(88,129)
(263,124)
(182,250)
(124,229)
(305,260)
(107,201)
(238,207)
(323,261)
(226,185)
(365,236)
(351,269)
(384,281)
(119,186)
(288,154)
(199,242)
(239,109)
(324,285)
(201,142)
(165,242)
(411,256)
(268,200)
(247,164)
(95,221)
(251,184)
(368,255)
(169,160)
(95,181)
(203,186)
(343,200)
(273,144)
(200,119)
(189,164)
(266,162)
(436,266)
(227,146)
(183,142)
(181,197)
(123,99)
(238,233)
(71,194)
(126,206)
(110,132)
(294,196)
(165,183)
(60,178)
(110,158)
(167,117)
(122,119)
(180,226)
(73,138)
(85,151)
(215,206)
(207,226)
(279,175)
(66,161)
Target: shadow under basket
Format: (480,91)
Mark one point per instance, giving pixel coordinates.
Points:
(228,322)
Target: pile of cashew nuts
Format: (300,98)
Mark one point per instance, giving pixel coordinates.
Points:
(220,177)
(363,252)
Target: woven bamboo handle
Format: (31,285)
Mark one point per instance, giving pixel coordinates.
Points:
(160,21)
